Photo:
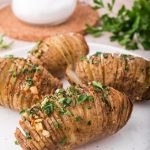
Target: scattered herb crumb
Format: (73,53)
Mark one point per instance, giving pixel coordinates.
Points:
(27,135)
(16,142)
(78,118)
(63,141)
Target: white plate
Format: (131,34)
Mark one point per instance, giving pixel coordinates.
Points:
(134,136)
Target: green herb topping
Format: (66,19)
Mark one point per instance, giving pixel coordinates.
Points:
(49,108)
(57,125)
(33,111)
(82,98)
(99,87)
(27,135)
(9,56)
(65,101)
(83,58)
(22,111)
(78,119)
(97,54)
(63,141)
(60,91)
(16,142)
(35,68)
(126,58)
(29,82)
(25,70)
(62,111)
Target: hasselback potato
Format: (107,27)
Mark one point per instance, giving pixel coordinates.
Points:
(73,117)
(56,52)
(125,73)
(22,84)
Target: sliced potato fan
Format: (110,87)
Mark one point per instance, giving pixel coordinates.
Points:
(125,73)
(22,84)
(57,52)
(73,117)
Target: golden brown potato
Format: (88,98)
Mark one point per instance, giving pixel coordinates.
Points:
(125,73)
(73,117)
(56,52)
(22,84)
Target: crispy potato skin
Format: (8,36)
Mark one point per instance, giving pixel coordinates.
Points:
(125,73)
(22,84)
(95,120)
(57,52)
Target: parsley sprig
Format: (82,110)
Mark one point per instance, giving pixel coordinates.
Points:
(4,44)
(130,28)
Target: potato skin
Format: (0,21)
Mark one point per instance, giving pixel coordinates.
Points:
(22,84)
(90,120)
(57,52)
(125,73)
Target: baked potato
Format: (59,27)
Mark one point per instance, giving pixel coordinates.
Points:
(73,117)
(125,73)
(56,52)
(23,84)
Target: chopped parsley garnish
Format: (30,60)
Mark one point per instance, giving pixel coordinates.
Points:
(29,82)
(35,68)
(72,91)
(78,119)
(93,60)
(37,45)
(60,91)
(65,101)
(105,99)
(49,108)
(99,87)
(97,54)
(9,56)
(105,56)
(14,74)
(67,112)
(22,111)
(83,58)
(33,110)
(57,124)
(82,98)
(16,142)
(126,68)
(27,135)
(62,111)
(126,58)
(25,70)
(63,141)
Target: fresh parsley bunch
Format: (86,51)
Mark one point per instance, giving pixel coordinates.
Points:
(131,28)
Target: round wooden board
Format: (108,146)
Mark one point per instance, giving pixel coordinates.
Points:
(17,29)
